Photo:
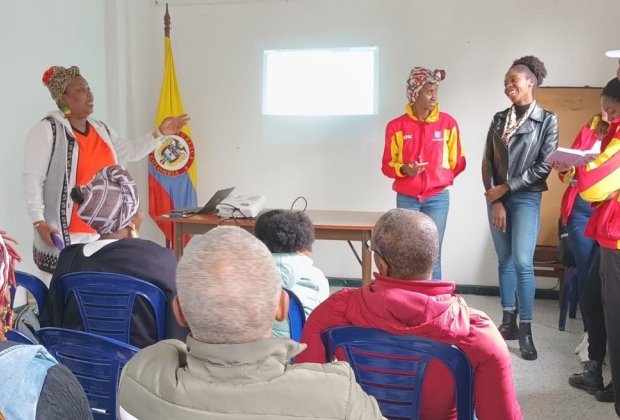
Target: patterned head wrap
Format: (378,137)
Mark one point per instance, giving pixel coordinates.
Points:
(57,78)
(108,201)
(420,76)
(8,256)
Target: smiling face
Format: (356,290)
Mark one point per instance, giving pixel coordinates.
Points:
(78,98)
(518,86)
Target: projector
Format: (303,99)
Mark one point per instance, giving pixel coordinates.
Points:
(241,206)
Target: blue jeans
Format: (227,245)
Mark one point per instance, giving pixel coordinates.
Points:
(581,246)
(515,251)
(436,207)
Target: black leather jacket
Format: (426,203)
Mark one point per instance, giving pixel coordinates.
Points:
(521,165)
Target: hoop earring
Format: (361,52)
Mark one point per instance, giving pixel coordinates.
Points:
(66,110)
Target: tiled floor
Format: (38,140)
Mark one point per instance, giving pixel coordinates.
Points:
(542,385)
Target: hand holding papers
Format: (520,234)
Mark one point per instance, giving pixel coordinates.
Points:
(571,157)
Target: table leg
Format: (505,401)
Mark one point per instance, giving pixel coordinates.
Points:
(178,240)
(366,263)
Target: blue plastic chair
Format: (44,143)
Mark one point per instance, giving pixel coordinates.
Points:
(95,361)
(33,284)
(106,301)
(569,295)
(392,367)
(18,337)
(296,315)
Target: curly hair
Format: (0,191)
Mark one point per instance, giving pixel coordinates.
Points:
(408,242)
(285,231)
(612,90)
(533,66)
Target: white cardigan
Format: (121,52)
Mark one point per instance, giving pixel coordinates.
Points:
(53,155)
(39,149)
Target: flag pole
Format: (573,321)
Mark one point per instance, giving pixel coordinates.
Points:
(172,170)
(167,23)
(167,35)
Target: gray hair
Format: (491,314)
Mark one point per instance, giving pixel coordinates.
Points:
(228,287)
(408,242)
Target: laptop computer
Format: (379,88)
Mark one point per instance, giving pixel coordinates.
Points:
(210,207)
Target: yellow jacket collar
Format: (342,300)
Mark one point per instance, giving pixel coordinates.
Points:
(432,117)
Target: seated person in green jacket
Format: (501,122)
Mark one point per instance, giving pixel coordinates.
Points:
(230,367)
(289,236)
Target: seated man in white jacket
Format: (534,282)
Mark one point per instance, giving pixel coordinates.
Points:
(289,236)
(230,367)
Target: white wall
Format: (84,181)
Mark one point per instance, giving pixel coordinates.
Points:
(218,54)
(34,35)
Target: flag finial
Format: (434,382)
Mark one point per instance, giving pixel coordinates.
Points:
(167,23)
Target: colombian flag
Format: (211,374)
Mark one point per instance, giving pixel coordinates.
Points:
(172,168)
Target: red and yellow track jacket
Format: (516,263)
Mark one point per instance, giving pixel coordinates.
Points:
(599,182)
(585,140)
(435,140)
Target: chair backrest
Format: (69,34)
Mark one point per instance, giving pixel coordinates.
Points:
(33,284)
(392,367)
(296,315)
(106,301)
(95,361)
(18,337)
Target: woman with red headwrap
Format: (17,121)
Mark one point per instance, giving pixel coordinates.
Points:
(33,385)
(67,148)
(423,152)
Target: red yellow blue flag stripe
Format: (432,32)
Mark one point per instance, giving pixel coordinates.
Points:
(172,167)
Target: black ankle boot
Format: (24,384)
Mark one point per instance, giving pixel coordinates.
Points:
(508,328)
(526,343)
(606,394)
(590,380)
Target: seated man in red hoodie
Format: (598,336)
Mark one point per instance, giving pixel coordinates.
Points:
(403,300)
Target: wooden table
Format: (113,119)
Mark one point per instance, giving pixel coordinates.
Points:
(328,224)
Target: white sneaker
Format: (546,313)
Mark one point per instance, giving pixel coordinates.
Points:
(582,345)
